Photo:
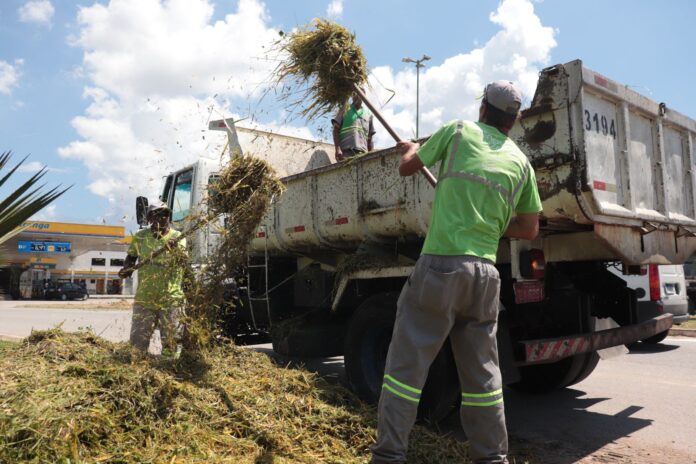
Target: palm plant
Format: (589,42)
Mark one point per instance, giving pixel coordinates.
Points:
(25,201)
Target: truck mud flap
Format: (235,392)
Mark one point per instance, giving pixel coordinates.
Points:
(549,350)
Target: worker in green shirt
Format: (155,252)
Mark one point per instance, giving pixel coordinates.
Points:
(353,129)
(159,297)
(486,190)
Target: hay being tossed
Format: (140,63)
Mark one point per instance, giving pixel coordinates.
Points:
(76,398)
(238,199)
(243,191)
(325,57)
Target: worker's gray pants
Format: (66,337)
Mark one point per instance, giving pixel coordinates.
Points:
(455,296)
(146,320)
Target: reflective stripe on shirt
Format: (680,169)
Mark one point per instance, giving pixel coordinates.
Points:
(509,196)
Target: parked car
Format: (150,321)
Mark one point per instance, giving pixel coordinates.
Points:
(66,291)
(690,275)
(660,289)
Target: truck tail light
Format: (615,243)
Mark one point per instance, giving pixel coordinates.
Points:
(654,279)
(532,264)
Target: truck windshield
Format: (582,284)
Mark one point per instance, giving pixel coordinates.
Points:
(181,204)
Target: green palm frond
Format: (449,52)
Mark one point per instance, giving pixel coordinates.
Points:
(25,201)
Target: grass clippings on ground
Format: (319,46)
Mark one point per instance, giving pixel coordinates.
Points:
(76,398)
(5,346)
(690,324)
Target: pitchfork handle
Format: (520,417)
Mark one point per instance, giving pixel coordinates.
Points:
(428,175)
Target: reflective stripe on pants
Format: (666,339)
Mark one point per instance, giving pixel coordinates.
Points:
(455,296)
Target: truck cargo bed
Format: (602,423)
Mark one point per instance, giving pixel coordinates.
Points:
(614,171)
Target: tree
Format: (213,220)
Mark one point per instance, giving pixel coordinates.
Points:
(25,201)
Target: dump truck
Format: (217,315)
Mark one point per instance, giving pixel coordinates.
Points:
(616,178)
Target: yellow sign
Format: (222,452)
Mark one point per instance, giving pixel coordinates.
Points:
(65,228)
(43,260)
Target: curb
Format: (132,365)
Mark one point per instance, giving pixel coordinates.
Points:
(682,332)
(10,338)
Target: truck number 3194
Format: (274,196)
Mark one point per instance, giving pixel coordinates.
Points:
(600,124)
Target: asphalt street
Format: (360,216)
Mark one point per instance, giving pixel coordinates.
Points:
(19,318)
(639,407)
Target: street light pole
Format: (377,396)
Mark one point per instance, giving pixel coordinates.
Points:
(419,64)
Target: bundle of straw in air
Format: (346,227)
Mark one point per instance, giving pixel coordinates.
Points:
(326,57)
(243,192)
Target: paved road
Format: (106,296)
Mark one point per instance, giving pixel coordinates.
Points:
(640,407)
(18,320)
(636,408)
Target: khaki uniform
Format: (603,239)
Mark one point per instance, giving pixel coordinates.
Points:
(159,297)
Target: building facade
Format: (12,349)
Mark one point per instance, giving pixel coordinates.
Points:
(47,253)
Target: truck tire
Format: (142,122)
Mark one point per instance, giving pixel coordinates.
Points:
(543,378)
(591,361)
(656,338)
(366,346)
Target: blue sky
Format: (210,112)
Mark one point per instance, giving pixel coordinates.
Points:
(110,97)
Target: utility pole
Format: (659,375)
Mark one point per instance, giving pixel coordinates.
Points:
(419,64)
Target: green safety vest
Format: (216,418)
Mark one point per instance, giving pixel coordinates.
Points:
(484,179)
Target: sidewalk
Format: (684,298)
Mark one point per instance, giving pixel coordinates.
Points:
(111,297)
(682,332)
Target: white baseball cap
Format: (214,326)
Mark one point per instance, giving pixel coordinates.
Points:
(157,206)
(504,96)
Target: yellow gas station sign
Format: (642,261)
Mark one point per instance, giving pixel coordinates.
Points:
(43,263)
(65,228)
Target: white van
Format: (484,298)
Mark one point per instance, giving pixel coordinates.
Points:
(660,289)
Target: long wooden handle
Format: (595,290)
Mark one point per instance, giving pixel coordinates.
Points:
(165,248)
(428,175)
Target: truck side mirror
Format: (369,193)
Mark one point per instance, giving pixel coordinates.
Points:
(141,204)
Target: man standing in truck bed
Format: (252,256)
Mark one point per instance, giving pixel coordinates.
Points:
(486,189)
(353,130)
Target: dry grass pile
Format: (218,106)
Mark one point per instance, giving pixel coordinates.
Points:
(76,398)
(325,57)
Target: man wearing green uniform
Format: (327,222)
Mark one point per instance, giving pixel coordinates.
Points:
(486,190)
(159,297)
(352,130)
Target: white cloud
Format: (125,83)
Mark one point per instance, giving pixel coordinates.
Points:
(48,213)
(335,9)
(33,166)
(158,71)
(36,166)
(37,11)
(449,90)
(9,75)
(136,48)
